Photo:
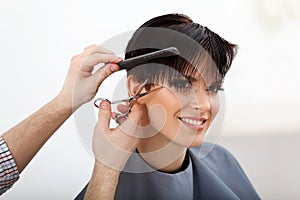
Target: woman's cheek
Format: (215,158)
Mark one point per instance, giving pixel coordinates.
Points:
(161,111)
(157,116)
(215,106)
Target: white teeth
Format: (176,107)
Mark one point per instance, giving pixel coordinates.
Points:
(192,122)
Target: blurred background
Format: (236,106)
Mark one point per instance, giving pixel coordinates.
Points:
(39,38)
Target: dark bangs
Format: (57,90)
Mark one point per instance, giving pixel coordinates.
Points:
(203,53)
(164,71)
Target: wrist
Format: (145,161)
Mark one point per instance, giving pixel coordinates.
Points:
(103,182)
(105,173)
(100,166)
(63,103)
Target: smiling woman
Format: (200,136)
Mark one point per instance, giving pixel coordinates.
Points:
(181,104)
(191,81)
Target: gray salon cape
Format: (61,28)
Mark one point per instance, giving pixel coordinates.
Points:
(216,176)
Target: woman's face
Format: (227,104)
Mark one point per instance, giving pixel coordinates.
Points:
(182,112)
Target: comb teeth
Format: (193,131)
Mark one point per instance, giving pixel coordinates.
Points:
(138,60)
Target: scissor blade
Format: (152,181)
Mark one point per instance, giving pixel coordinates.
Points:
(136,95)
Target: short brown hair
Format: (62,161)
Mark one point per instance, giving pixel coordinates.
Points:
(181,32)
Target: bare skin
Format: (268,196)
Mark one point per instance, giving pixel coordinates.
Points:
(26,138)
(109,161)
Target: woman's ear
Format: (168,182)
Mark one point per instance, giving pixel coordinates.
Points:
(132,85)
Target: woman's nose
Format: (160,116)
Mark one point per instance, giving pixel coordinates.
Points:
(200,100)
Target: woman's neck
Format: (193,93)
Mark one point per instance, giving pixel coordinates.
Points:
(162,154)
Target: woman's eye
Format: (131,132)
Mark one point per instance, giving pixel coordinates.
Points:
(214,88)
(181,84)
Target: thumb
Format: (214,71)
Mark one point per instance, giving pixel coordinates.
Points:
(104,116)
(104,72)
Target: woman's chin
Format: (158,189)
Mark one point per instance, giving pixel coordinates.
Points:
(196,142)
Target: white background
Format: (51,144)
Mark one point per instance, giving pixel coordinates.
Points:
(38,39)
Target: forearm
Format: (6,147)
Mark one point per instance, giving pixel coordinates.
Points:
(103,183)
(25,139)
(113,147)
(80,86)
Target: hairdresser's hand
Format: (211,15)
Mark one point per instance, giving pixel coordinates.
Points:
(113,147)
(122,109)
(81,84)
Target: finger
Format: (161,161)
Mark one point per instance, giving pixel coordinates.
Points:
(102,73)
(117,118)
(101,49)
(132,125)
(116,61)
(136,114)
(114,115)
(92,60)
(122,108)
(96,49)
(88,48)
(120,120)
(104,116)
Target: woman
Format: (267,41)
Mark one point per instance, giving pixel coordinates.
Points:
(180,102)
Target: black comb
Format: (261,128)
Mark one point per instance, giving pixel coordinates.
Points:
(138,60)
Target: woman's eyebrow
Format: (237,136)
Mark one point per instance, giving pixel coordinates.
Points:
(191,78)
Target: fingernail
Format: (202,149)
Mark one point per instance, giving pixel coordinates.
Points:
(103,105)
(114,67)
(117,60)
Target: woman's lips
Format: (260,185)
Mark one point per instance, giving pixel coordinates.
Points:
(195,123)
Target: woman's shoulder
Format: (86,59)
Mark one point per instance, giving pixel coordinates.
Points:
(216,157)
(218,164)
(219,151)
(208,151)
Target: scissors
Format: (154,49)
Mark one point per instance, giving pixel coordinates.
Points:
(131,100)
(132,62)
